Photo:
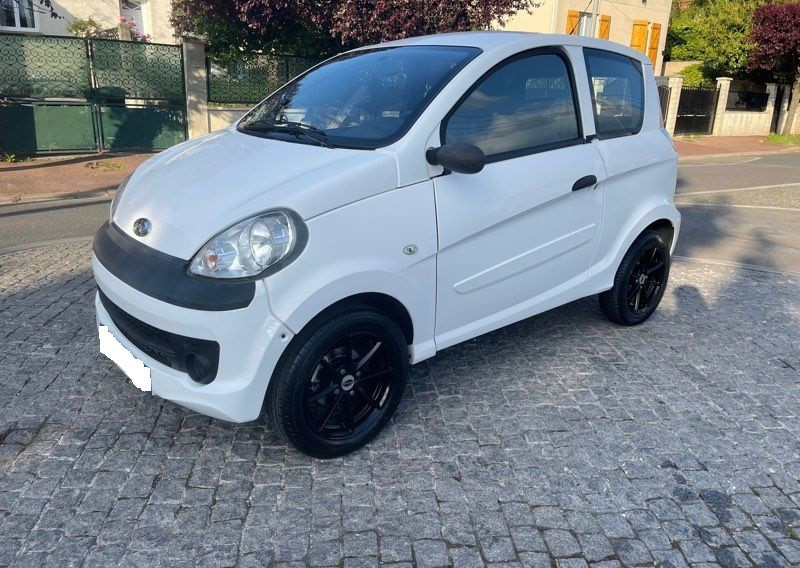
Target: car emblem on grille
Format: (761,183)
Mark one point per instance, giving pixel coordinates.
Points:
(142,227)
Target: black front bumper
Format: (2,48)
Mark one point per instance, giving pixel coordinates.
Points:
(166,277)
(197,357)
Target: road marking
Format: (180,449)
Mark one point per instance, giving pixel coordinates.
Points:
(18,248)
(738,162)
(734,189)
(690,204)
(733,264)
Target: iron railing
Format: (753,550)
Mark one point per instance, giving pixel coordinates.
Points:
(44,67)
(250,80)
(747,100)
(134,70)
(54,67)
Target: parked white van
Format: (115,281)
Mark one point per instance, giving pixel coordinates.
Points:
(388,203)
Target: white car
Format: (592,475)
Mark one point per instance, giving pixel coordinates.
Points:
(388,203)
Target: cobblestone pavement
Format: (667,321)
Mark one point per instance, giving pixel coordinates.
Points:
(559,441)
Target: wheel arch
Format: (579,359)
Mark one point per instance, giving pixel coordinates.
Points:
(663,218)
(663,227)
(385,303)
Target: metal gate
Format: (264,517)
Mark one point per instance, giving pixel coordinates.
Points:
(696,109)
(63,94)
(664,92)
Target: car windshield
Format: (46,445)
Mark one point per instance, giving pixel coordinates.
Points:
(364,99)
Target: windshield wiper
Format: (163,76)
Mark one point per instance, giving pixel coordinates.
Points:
(296,128)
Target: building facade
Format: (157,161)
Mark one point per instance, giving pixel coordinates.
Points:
(27,16)
(640,24)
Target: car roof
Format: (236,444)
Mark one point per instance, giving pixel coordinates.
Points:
(499,40)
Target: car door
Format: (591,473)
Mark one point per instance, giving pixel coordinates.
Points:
(519,235)
(637,152)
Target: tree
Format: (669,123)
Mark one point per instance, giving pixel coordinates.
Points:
(716,32)
(88,27)
(374,21)
(776,41)
(696,76)
(322,27)
(235,26)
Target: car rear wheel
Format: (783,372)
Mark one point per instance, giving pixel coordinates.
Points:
(340,382)
(640,281)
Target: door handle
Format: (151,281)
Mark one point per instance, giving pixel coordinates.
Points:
(584,182)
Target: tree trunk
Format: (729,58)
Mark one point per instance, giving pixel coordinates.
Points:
(792,112)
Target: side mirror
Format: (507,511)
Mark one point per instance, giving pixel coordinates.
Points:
(458,157)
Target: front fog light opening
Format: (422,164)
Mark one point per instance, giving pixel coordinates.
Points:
(200,368)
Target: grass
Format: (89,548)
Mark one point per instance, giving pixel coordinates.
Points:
(788,139)
(104,166)
(8,158)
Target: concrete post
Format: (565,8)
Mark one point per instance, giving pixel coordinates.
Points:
(195,81)
(772,92)
(123,32)
(723,88)
(784,108)
(675,84)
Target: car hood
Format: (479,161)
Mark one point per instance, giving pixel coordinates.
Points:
(196,189)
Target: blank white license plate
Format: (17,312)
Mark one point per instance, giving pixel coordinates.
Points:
(137,372)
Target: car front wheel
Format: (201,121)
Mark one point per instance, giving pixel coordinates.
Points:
(640,281)
(339,382)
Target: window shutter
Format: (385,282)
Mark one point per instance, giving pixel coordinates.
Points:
(605,27)
(655,37)
(639,35)
(573,22)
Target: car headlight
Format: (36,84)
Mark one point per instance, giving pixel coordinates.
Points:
(118,196)
(249,247)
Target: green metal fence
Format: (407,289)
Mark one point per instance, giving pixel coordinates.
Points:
(252,79)
(62,94)
(145,71)
(40,127)
(43,66)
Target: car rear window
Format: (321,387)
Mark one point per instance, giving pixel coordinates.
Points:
(617,88)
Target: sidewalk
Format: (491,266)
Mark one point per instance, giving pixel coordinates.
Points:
(694,147)
(91,175)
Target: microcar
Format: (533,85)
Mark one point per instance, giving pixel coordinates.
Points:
(386,204)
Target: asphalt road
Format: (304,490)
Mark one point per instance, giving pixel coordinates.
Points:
(741,209)
(737,209)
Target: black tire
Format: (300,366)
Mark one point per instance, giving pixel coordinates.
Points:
(639,282)
(318,396)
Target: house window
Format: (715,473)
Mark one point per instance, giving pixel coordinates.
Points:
(17,15)
(132,10)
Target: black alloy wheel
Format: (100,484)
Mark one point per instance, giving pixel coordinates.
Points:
(646,279)
(639,282)
(339,382)
(349,387)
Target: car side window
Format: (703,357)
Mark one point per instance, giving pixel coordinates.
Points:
(522,106)
(617,88)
